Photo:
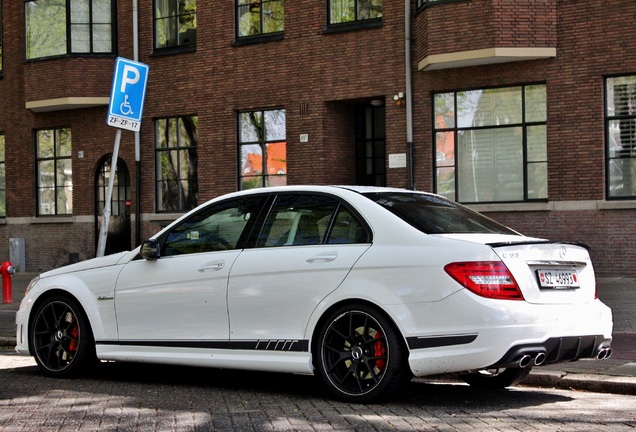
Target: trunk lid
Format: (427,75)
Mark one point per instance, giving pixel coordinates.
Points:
(550,272)
(547,272)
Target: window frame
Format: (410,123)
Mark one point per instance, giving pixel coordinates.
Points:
(262,142)
(607,119)
(254,202)
(55,159)
(1,41)
(356,24)
(182,204)
(259,37)
(308,219)
(68,46)
(524,125)
(172,49)
(423,4)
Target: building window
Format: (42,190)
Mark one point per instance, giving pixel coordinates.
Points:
(620,132)
(177,163)
(55,173)
(491,144)
(348,11)
(3,188)
(61,27)
(175,23)
(262,148)
(259,17)
(0,38)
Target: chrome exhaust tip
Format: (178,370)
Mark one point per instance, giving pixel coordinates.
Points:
(604,353)
(524,361)
(540,358)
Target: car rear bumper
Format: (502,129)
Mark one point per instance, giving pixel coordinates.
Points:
(500,333)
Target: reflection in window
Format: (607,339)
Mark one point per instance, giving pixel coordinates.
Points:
(51,24)
(258,17)
(175,23)
(3,188)
(302,220)
(620,124)
(177,161)
(0,37)
(491,145)
(54,171)
(345,11)
(218,227)
(262,148)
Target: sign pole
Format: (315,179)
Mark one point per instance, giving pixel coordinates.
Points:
(124,112)
(103,232)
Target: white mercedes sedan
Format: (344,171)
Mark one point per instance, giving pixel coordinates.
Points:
(363,287)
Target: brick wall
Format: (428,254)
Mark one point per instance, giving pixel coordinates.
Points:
(319,78)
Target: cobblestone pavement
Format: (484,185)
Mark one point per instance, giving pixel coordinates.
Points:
(127,397)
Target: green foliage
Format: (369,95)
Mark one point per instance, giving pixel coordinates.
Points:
(177,175)
(257,17)
(343,11)
(45,28)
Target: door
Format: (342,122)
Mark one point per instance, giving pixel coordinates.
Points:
(308,245)
(370,146)
(118,239)
(181,297)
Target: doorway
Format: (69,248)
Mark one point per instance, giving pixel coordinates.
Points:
(119,230)
(370,146)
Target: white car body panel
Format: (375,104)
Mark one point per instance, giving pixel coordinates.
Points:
(184,299)
(273,296)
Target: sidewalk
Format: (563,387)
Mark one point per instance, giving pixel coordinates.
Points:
(615,375)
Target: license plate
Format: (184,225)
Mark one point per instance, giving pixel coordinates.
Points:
(558,279)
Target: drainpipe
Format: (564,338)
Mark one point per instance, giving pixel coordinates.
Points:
(135,18)
(409,94)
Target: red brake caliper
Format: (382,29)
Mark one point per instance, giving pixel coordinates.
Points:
(74,334)
(379,350)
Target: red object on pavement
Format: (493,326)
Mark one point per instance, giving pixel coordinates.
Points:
(7,270)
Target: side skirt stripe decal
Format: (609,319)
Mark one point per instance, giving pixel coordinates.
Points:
(290,345)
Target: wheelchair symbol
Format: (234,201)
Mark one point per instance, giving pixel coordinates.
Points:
(125,107)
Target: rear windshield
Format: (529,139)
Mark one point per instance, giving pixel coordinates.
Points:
(436,215)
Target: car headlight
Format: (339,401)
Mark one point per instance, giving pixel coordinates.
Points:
(34,281)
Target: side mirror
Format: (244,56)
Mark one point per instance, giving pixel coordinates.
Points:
(150,250)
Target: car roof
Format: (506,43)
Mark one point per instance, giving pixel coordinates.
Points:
(324,188)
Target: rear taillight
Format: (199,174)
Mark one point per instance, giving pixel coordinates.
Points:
(490,279)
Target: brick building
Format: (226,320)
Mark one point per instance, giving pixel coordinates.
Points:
(523,110)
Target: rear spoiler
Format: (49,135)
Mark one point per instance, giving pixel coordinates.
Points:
(531,242)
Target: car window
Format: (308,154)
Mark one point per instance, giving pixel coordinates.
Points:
(432,214)
(347,229)
(305,219)
(215,228)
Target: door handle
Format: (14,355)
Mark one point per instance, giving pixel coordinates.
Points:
(212,266)
(323,257)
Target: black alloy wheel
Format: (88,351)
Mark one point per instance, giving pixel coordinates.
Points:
(361,357)
(61,337)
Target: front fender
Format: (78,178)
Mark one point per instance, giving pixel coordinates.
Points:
(95,294)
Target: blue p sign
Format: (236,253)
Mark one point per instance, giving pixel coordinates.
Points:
(127,94)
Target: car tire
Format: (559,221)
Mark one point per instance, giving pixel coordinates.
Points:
(360,356)
(493,379)
(61,338)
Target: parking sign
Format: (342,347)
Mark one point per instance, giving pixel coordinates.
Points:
(127,94)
